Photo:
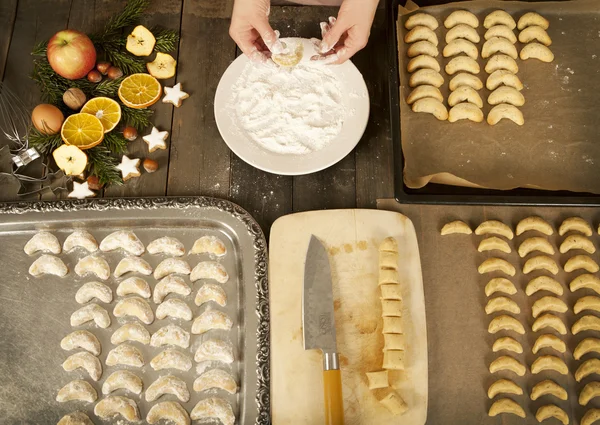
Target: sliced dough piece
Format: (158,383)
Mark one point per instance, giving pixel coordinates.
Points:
(170,335)
(548,387)
(219,379)
(543,283)
(421,19)
(115,405)
(175,308)
(211,319)
(91,290)
(501,61)
(507,343)
(394,342)
(391,308)
(80,239)
(125,354)
(503,77)
(590,417)
(124,240)
(494,243)
(132,264)
(536,51)
(465,93)
(501,31)
(392,325)
(465,79)
(548,303)
(540,262)
(424,91)
(48,264)
(134,307)
(462,31)
(587,368)
(134,285)
(432,106)
(209,270)
(499,17)
(419,33)
(171,359)
(552,411)
(465,111)
(535,243)
(584,262)
(576,224)
(590,391)
(168,384)
(506,95)
(212,292)
(75,418)
(81,339)
(387,276)
(170,266)
(42,242)
(213,408)
(534,223)
(166,245)
(423,62)
(554,363)
(462,64)
(123,380)
(577,242)
(505,323)
(388,260)
(494,227)
(549,341)
(131,332)
(532,18)
(214,350)
(504,386)
(168,411)
(549,321)
(505,111)
(77,390)
(461,17)
(587,281)
(493,264)
(391,292)
(170,285)
(586,323)
(426,77)
(422,48)
(91,312)
(393,402)
(500,284)
(589,302)
(393,359)
(507,363)
(497,304)
(209,245)
(498,45)
(457,226)
(93,264)
(85,361)
(458,46)
(535,33)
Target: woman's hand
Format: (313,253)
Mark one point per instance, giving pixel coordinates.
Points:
(251,31)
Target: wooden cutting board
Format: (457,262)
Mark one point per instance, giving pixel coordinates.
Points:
(352,238)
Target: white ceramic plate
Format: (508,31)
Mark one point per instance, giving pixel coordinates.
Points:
(355,100)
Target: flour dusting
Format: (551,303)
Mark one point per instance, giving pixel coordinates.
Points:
(289,110)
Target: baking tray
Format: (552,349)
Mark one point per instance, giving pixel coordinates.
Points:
(35,312)
(434,193)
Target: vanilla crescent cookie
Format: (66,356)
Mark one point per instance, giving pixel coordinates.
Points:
(213,408)
(420,33)
(506,405)
(552,411)
(166,245)
(423,62)
(211,319)
(457,226)
(461,64)
(463,31)
(90,290)
(422,48)
(507,363)
(549,341)
(579,262)
(422,19)
(578,242)
(126,355)
(501,303)
(75,418)
(134,286)
(431,106)
(48,264)
(548,387)
(532,18)
(131,332)
(500,284)
(507,343)
(493,264)
(588,345)
(505,322)
(216,379)
(506,95)
(505,111)
(494,227)
(458,46)
(586,323)
(85,361)
(589,302)
(543,283)
(535,33)
(42,242)
(91,312)
(81,339)
(587,368)
(587,281)
(171,266)
(461,17)
(209,270)
(498,45)
(501,61)
(132,264)
(93,264)
(548,303)
(465,93)
(549,320)
(575,224)
(214,350)
(171,359)
(503,386)
(590,391)
(134,307)
(503,77)
(499,17)
(124,240)
(112,406)
(168,411)
(122,380)
(209,245)
(80,239)
(174,308)
(211,292)
(501,31)
(590,417)
(170,335)
(543,363)
(465,79)
(424,91)
(540,262)
(171,284)
(428,77)
(168,384)
(77,390)
(535,243)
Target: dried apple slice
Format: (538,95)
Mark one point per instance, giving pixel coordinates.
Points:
(141,41)
(70,159)
(162,67)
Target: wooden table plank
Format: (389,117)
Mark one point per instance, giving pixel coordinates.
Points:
(8,15)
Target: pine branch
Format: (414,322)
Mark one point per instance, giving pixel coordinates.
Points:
(44,143)
(129,16)
(115,142)
(138,118)
(166,40)
(40,49)
(107,88)
(103,165)
(128,63)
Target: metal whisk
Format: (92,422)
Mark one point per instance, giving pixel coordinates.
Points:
(14,120)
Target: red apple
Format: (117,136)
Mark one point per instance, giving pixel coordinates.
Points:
(71,54)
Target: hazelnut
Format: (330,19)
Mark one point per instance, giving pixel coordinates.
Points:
(94,183)
(94,76)
(150,165)
(130,133)
(74,98)
(114,73)
(103,67)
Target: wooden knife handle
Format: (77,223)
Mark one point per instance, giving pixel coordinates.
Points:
(334,401)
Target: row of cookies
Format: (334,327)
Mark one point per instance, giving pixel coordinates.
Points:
(532,27)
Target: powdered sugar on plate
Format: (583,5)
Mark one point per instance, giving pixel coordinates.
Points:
(294,111)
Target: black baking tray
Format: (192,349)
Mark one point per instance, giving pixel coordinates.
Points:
(434,193)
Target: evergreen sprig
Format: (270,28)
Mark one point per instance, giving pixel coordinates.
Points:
(103,164)
(166,40)
(129,64)
(129,16)
(115,142)
(44,143)
(138,118)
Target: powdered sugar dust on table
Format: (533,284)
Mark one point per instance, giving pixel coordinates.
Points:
(291,121)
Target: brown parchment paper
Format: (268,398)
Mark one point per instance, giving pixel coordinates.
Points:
(559,145)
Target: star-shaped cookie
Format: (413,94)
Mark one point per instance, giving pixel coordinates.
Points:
(129,167)
(156,139)
(81,191)
(174,95)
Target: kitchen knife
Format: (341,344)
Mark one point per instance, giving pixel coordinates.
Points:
(318,324)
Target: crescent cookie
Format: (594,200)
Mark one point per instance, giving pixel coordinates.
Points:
(506,95)
(590,391)
(423,61)
(422,48)
(85,361)
(548,303)
(497,304)
(540,262)
(507,343)
(587,281)
(420,33)
(543,283)
(506,405)
(170,335)
(458,46)
(428,77)
(75,418)
(209,320)
(92,264)
(89,291)
(499,17)
(219,379)
(77,390)
(112,406)
(124,240)
(168,411)
(168,384)
(494,243)
(461,17)
(535,243)
(498,45)
(91,312)
(81,339)
(122,380)
(465,79)
(505,111)
(589,302)
(577,242)
(80,239)
(549,320)
(209,245)
(175,308)
(501,31)
(215,293)
(536,51)
(505,322)
(504,386)
(501,61)
(500,284)
(171,266)
(215,408)
(171,359)
(132,264)
(503,77)
(590,417)
(552,411)
(171,284)
(134,307)
(496,264)
(422,19)
(586,323)
(465,93)
(535,33)
(532,18)
(494,227)
(581,262)
(424,91)
(548,387)
(462,31)
(465,111)
(48,264)
(214,350)
(554,363)
(166,245)
(462,64)
(576,224)
(125,354)
(432,106)
(209,270)
(507,363)
(131,332)
(587,368)
(549,341)
(42,242)
(134,285)
(588,345)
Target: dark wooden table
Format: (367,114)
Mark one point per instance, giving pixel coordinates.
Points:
(197,161)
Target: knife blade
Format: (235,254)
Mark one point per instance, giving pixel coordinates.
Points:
(318,326)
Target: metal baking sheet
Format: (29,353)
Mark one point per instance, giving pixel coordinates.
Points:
(35,312)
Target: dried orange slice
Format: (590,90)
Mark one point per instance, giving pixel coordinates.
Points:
(140,91)
(82,130)
(106,110)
